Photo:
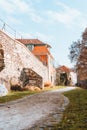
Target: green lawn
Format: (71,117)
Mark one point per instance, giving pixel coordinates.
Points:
(75,115)
(13,95)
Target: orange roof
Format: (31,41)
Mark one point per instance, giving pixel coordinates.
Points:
(32,41)
(41,50)
(64,69)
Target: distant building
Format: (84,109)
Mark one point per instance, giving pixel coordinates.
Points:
(65,76)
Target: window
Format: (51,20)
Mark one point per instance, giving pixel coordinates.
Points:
(30,47)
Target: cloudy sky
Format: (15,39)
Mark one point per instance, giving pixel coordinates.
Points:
(56,22)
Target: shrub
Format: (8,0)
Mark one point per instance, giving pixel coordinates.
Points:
(47,84)
(16,88)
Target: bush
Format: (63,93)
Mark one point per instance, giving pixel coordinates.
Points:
(16,88)
(47,84)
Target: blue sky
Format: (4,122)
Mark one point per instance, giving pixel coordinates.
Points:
(56,22)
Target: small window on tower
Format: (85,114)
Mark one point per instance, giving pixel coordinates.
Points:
(30,47)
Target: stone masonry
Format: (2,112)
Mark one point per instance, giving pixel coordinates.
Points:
(30,78)
(17,57)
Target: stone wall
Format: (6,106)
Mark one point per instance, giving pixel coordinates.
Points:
(17,57)
(30,78)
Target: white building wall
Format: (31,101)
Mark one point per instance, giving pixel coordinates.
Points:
(73,76)
(51,71)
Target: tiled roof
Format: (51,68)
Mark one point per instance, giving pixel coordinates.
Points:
(64,69)
(32,41)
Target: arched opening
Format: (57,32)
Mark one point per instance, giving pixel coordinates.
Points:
(2,65)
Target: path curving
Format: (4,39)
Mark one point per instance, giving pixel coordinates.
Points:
(24,113)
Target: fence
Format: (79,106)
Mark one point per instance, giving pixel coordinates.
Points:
(9,30)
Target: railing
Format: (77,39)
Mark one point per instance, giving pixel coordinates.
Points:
(9,30)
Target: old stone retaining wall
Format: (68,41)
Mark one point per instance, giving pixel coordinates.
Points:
(17,57)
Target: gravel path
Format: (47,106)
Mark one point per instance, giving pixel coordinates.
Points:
(25,113)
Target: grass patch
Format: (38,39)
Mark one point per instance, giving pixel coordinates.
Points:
(75,115)
(53,88)
(14,95)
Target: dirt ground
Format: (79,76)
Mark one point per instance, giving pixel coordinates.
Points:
(25,113)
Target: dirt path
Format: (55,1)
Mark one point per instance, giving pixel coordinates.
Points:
(24,113)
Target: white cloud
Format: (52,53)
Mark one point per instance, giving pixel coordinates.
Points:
(67,16)
(7,6)
(21,5)
(44,37)
(11,7)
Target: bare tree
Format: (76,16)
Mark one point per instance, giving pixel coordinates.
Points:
(78,54)
(75,50)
